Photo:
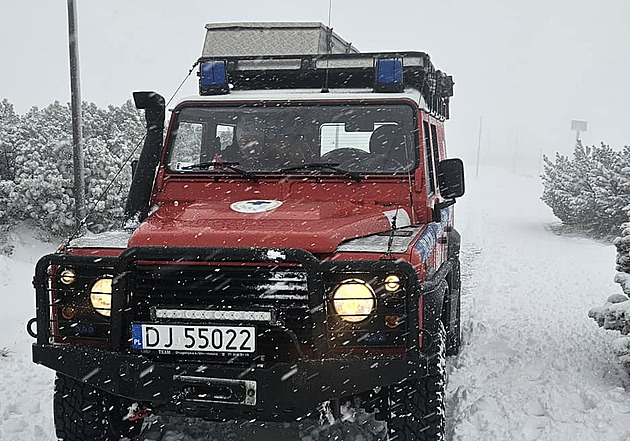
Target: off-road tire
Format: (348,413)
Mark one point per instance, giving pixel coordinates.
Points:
(83,413)
(416,407)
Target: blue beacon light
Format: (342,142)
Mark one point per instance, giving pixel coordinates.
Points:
(213,78)
(388,75)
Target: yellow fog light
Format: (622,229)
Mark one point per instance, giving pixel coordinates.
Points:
(392,321)
(354,300)
(392,283)
(101,296)
(67,276)
(68,312)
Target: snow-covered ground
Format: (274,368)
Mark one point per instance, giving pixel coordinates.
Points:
(25,388)
(534,366)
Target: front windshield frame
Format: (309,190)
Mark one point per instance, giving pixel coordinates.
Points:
(406,123)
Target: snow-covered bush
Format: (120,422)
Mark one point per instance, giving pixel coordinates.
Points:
(36,167)
(42,190)
(590,191)
(8,130)
(110,138)
(622,244)
(615,313)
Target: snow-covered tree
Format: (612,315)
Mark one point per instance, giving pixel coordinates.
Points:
(8,130)
(8,123)
(43,180)
(36,183)
(591,190)
(111,136)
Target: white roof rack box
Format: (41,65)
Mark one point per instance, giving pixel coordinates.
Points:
(272,38)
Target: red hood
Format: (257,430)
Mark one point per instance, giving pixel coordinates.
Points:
(318,227)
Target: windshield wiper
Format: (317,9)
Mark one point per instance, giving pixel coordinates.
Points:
(334,166)
(229,165)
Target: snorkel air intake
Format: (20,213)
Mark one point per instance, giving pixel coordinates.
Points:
(137,206)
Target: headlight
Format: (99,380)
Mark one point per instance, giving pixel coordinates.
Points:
(354,300)
(101,296)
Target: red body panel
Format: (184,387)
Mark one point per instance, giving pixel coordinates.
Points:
(317,213)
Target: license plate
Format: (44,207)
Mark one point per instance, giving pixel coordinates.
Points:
(228,339)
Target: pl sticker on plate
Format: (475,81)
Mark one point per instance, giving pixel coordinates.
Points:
(255,206)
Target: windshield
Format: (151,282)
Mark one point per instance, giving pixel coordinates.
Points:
(296,139)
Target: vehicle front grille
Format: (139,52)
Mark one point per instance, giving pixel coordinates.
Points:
(284,291)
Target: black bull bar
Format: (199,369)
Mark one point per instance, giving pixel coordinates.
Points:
(113,367)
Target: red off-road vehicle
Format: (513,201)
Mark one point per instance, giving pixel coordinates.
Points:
(289,243)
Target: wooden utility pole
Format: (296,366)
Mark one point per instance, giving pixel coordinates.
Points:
(77,121)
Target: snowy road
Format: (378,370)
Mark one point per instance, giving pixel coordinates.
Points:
(534,366)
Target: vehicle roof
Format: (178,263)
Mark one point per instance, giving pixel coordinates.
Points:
(309,95)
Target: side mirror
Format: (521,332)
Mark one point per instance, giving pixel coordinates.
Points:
(451,178)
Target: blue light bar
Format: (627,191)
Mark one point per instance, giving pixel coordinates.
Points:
(388,75)
(213,78)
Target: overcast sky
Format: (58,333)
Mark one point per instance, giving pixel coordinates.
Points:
(529,67)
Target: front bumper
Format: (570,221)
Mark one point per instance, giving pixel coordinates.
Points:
(283,391)
(285,385)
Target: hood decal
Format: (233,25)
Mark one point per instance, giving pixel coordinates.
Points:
(255,206)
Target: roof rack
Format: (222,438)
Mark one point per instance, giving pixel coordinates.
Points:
(272,38)
(353,70)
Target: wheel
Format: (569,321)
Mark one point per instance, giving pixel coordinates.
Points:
(416,407)
(83,413)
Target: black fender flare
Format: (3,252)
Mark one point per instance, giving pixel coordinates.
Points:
(454,244)
(433,293)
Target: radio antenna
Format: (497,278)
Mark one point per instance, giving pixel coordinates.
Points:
(329,11)
(328,46)
(394,227)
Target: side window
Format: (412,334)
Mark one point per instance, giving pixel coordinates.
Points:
(428,159)
(186,145)
(436,147)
